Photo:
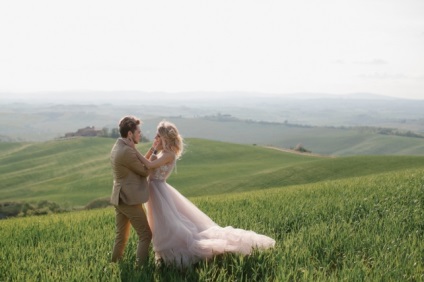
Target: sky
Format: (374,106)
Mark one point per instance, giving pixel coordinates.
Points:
(275,47)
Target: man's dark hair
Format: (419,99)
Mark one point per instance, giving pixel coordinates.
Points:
(128,123)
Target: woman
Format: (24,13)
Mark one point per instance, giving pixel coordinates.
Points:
(183,234)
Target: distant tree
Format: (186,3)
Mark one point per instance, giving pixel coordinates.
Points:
(98,203)
(20,209)
(115,133)
(105,132)
(300,148)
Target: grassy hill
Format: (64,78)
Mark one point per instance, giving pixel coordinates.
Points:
(334,219)
(348,228)
(77,171)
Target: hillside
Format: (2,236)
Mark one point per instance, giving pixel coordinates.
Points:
(357,228)
(76,171)
(336,141)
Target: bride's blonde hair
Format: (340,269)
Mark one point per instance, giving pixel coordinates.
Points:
(172,138)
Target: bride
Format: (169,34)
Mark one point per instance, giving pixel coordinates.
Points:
(183,234)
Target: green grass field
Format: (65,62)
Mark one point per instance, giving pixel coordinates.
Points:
(334,219)
(77,171)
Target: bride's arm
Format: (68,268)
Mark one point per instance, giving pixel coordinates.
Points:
(152,151)
(165,158)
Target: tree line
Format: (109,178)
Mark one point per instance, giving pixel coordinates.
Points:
(114,133)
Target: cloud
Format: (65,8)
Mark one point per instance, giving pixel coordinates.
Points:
(122,67)
(363,62)
(339,62)
(372,62)
(378,75)
(419,77)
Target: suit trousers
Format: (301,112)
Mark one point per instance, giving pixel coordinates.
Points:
(126,215)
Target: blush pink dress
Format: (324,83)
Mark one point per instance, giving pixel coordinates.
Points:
(183,234)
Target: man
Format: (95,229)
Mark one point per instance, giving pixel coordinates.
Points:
(130,191)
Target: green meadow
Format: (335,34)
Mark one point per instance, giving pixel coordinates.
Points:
(76,171)
(354,218)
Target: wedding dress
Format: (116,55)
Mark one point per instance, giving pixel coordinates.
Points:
(183,234)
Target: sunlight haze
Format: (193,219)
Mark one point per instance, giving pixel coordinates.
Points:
(274,47)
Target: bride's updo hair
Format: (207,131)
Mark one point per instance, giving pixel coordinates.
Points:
(172,138)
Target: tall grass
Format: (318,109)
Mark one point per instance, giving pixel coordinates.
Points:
(365,228)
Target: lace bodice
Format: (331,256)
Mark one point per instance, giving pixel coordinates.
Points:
(162,172)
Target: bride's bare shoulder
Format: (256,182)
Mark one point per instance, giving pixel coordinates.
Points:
(168,155)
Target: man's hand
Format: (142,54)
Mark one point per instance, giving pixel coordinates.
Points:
(129,142)
(156,143)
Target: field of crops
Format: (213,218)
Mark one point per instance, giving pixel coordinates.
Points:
(367,228)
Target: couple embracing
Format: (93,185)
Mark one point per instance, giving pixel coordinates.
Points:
(181,233)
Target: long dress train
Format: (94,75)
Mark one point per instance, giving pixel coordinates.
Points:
(183,234)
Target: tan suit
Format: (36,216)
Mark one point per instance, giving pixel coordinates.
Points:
(129,192)
(129,175)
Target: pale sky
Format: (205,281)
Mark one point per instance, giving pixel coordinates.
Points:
(279,47)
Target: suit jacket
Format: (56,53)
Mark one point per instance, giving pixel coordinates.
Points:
(129,175)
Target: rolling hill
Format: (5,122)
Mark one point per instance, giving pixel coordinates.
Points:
(334,219)
(76,171)
(342,126)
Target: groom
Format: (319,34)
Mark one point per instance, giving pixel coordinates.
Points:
(130,191)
